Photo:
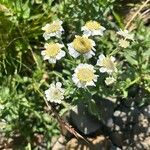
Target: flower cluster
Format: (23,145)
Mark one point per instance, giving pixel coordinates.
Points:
(92,28)
(53,51)
(55,93)
(126,36)
(82,46)
(53,29)
(84,75)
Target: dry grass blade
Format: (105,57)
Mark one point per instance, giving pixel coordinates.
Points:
(136,13)
(63,123)
(67,126)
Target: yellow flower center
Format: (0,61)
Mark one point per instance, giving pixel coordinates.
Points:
(93,25)
(52,50)
(54,27)
(82,44)
(85,75)
(123,43)
(108,63)
(57,94)
(109,80)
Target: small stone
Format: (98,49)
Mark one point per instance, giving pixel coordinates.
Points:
(96,143)
(59,144)
(110,123)
(117,113)
(119,118)
(72,144)
(146,111)
(139,146)
(117,138)
(146,143)
(117,128)
(122,114)
(124,118)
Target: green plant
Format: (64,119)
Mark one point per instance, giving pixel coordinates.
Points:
(25,76)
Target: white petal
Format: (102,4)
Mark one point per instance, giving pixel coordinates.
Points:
(97,32)
(61,45)
(63,53)
(45,27)
(46,36)
(52,86)
(103,28)
(101,57)
(101,32)
(131,37)
(47,91)
(58,34)
(60,55)
(52,60)
(52,34)
(81,85)
(102,69)
(59,21)
(112,58)
(93,49)
(46,57)
(126,31)
(95,78)
(88,55)
(43,52)
(93,43)
(109,71)
(73,52)
(90,83)
(58,101)
(75,79)
(58,85)
(109,80)
(100,60)
(46,45)
(83,28)
(87,33)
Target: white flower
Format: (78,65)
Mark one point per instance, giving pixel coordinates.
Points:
(107,64)
(109,80)
(82,45)
(126,34)
(123,43)
(53,29)
(92,28)
(53,52)
(55,93)
(84,76)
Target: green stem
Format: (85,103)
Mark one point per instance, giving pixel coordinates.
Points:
(57,74)
(66,49)
(115,51)
(133,82)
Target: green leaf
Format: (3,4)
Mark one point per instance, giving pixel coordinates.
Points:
(26,10)
(125,94)
(93,108)
(118,19)
(130,59)
(146,53)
